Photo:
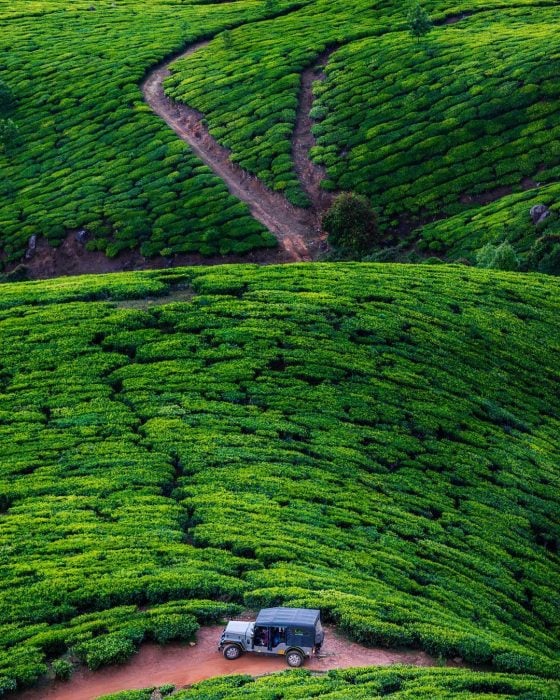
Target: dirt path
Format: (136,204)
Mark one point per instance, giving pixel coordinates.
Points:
(298,230)
(184,665)
(310,175)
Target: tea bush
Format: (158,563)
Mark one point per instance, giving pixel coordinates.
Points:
(378,441)
(396,682)
(417,128)
(93,154)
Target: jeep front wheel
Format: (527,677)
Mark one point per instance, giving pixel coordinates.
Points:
(232,652)
(294,658)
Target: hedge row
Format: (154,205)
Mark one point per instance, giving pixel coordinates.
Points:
(93,154)
(377,441)
(397,682)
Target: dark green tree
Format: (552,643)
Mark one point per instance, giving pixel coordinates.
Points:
(351,223)
(9,135)
(7,99)
(419,22)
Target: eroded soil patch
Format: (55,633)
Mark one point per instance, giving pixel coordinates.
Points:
(184,665)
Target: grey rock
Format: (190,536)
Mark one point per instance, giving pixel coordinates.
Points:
(156,695)
(81,236)
(538,213)
(31,247)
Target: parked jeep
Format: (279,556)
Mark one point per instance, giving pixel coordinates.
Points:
(296,633)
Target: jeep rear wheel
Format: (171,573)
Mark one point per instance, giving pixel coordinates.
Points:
(232,652)
(294,658)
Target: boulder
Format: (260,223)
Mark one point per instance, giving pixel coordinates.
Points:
(81,236)
(31,247)
(539,213)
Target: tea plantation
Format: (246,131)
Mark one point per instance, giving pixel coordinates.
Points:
(362,684)
(379,441)
(93,154)
(421,128)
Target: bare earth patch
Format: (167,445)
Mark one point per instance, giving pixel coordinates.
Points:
(184,665)
(298,230)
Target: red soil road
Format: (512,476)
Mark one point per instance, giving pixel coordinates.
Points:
(184,665)
(298,230)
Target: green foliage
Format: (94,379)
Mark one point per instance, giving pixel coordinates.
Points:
(398,683)
(7,99)
(145,694)
(378,441)
(9,136)
(419,22)
(9,133)
(90,153)
(108,649)
(506,220)
(500,257)
(418,132)
(544,256)
(350,223)
(227,39)
(62,669)
(173,626)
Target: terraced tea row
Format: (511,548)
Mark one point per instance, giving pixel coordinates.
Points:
(362,684)
(94,156)
(476,108)
(376,441)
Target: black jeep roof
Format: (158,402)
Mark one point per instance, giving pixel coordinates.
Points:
(288,616)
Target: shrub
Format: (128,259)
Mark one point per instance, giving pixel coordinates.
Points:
(9,135)
(62,669)
(544,255)
(7,99)
(7,684)
(350,223)
(164,628)
(109,649)
(500,257)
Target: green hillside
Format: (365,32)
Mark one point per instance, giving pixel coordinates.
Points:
(93,154)
(379,441)
(423,128)
(363,684)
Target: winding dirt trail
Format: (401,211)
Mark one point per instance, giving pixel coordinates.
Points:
(310,175)
(184,665)
(298,230)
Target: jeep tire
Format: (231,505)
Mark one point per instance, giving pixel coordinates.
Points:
(231,652)
(294,658)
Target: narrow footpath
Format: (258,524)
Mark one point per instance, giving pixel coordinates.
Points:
(297,230)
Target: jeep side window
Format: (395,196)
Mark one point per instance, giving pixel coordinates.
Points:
(261,636)
(278,636)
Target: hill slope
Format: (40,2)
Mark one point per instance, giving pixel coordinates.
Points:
(378,441)
(361,684)
(425,129)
